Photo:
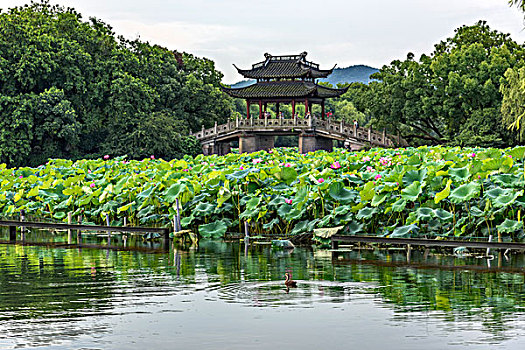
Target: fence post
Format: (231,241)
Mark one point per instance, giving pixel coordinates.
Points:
(109,232)
(69,231)
(369,133)
(22,228)
(79,233)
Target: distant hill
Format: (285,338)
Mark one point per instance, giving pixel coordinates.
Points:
(359,73)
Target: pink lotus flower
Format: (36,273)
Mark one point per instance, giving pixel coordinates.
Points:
(270,151)
(288,165)
(186,170)
(92,185)
(89,171)
(366,159)
(20,177)
(473,155)
(106,157)
(241,167)
(378,176)
(152,157)
(335,165)
(321,180)
(370,169)
(257,160)
(288,201)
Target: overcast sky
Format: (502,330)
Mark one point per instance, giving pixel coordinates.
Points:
(346,32)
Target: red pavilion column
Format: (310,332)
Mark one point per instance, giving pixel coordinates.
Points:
(322,110)
(305,107)
(293,108)
(277,109)
(247,109)
(260,109)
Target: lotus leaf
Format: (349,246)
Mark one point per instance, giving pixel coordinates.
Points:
(215,229)
(465,192)
(517,152)
(506,198)
(412,192)
(443,194)
(366,213)
(460,174)
(399,205)
(368,191)
(405,231)
(508,180)
(338,192)
(424,214)
(379,198)
(510,226)
(415,175)
(354,228)
(443,215)
(204,209)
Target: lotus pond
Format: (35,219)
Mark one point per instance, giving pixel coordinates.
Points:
(430,192)
(231,296)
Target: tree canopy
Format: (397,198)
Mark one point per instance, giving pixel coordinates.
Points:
(451,96)
(71,88)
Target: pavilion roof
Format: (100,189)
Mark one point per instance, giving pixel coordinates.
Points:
(284,89)
(289,66)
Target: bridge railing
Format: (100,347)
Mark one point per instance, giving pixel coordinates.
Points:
(327,125)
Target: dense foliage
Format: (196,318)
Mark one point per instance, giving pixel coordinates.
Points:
(70,88)
(428,192)
(451,96)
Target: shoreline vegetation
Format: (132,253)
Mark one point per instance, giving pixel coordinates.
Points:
(427,192)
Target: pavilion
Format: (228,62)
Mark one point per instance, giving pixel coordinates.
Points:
(284,79)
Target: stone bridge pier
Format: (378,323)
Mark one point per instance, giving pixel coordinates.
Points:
(310,142)
(249,143)
(220,148)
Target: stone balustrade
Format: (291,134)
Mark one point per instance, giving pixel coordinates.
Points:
(329,128)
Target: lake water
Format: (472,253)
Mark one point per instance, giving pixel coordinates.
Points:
(231,296)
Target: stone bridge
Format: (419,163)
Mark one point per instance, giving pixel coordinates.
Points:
(256,134)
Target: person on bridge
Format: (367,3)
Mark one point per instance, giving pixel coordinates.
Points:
(356,124)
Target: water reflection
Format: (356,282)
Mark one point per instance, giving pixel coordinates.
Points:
(59,295)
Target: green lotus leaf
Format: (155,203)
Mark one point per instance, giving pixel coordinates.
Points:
(517,152)
(412,192)
(405,231)
(460,174)
(288,175)
(415,175)
(465,192)
(342,210)
(271,224)
(508,180)
(213,230)
(253,203)
(368,191)
(204,209)
(476,212)
(495,193)
(399,205)
(424,214)
(510,226)
(366,213)
(506,198)
(338,192)
(443,194)
(443,215)
(239,174)
(379,198)
(491,164)
(354,228)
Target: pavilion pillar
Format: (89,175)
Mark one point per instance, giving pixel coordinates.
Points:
(247,109)
(277,109)
(322,110)
(293,108)
(305,107)
(260,109)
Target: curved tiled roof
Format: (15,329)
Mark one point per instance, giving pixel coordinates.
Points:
(283,89)
(293,66)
